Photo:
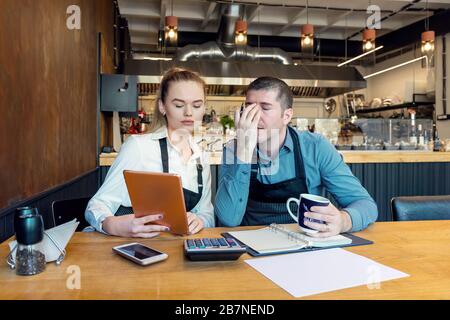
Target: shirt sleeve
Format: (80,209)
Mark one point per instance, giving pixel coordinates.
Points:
(113,193)
(204,209)
(345,188)
(233,188)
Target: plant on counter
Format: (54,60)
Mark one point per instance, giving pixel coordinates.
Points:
(227,121)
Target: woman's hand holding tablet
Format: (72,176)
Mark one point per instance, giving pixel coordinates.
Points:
(195,223)
(131,227)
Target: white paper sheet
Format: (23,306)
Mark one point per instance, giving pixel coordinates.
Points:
(314,272)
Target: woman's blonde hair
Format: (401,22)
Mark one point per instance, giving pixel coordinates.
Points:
(172,75)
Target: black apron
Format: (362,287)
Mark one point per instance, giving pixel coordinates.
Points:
(191,199)
(267,202)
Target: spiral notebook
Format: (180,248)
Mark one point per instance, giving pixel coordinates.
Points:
(279,238)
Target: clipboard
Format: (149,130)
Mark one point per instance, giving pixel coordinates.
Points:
(356,241)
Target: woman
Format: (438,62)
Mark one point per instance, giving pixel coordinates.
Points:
(168,147)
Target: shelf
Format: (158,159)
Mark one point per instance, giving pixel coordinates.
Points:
(396,106)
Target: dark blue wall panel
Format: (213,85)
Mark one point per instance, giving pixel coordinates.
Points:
(386,180)
(84,186)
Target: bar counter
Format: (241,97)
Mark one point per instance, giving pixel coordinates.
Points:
(107,159)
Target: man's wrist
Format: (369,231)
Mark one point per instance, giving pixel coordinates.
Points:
(244,156)
(347,221)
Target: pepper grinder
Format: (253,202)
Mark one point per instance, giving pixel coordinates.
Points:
(29,228)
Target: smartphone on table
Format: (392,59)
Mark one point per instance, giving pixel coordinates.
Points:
(139,253)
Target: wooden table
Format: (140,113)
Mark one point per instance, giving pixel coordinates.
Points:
(421,249)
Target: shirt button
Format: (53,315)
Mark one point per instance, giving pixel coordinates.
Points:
(240,200)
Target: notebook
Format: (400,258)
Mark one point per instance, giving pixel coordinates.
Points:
(286,238)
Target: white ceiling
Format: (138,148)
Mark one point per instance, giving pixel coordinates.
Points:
(336,19)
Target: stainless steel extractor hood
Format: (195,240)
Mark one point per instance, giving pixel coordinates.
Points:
(228,69)
(231,78)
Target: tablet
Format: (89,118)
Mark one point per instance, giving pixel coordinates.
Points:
(156,193)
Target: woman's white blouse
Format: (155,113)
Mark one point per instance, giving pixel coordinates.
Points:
(142,153)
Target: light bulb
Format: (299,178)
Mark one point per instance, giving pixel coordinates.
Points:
(307,40)
(240,38)
(427,46)
(171,33)
(368,45)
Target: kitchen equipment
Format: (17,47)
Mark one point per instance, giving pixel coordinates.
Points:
(330,106)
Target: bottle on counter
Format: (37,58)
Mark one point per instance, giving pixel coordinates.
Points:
(426,140)
(437,142)
(421,138)
(413,138)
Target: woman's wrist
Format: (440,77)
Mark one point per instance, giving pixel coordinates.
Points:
(108,225)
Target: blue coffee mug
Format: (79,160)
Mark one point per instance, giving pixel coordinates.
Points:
(305,203)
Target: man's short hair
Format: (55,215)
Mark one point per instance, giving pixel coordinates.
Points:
(284,97)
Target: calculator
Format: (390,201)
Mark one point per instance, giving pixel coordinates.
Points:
(213,249)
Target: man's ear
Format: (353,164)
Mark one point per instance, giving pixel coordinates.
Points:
(287,115)
(161,107)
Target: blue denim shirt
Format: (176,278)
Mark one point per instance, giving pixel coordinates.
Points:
(324,168)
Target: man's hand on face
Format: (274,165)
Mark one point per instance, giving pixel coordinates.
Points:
(247,131)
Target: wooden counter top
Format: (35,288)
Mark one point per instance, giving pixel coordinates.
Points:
(418,248)
(349,157)
(394,156)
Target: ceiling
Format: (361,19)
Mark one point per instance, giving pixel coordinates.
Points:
(337,20)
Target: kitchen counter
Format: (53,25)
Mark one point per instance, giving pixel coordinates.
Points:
(215,158)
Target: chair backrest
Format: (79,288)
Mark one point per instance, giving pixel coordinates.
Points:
(421,208)
(67,210)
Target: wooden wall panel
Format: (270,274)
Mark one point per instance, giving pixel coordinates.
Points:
(48,93)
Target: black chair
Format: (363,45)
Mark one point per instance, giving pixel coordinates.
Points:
(67,210)
(421,208)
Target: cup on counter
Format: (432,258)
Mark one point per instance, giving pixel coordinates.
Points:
(304,204)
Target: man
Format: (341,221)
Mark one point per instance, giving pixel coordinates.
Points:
(270,162)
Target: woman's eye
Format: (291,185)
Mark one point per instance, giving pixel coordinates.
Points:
(178,106)
(197,106)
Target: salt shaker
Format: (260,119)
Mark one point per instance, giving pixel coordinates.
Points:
(29,229)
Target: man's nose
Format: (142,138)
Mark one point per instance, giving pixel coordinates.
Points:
(260,122)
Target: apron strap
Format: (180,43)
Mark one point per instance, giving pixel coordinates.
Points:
(164,154)
(299,167)
(199,177)
(165,164)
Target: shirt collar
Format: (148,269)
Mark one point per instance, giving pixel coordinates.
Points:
(159,133)
(288,146)
(163,133)
(288,142)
